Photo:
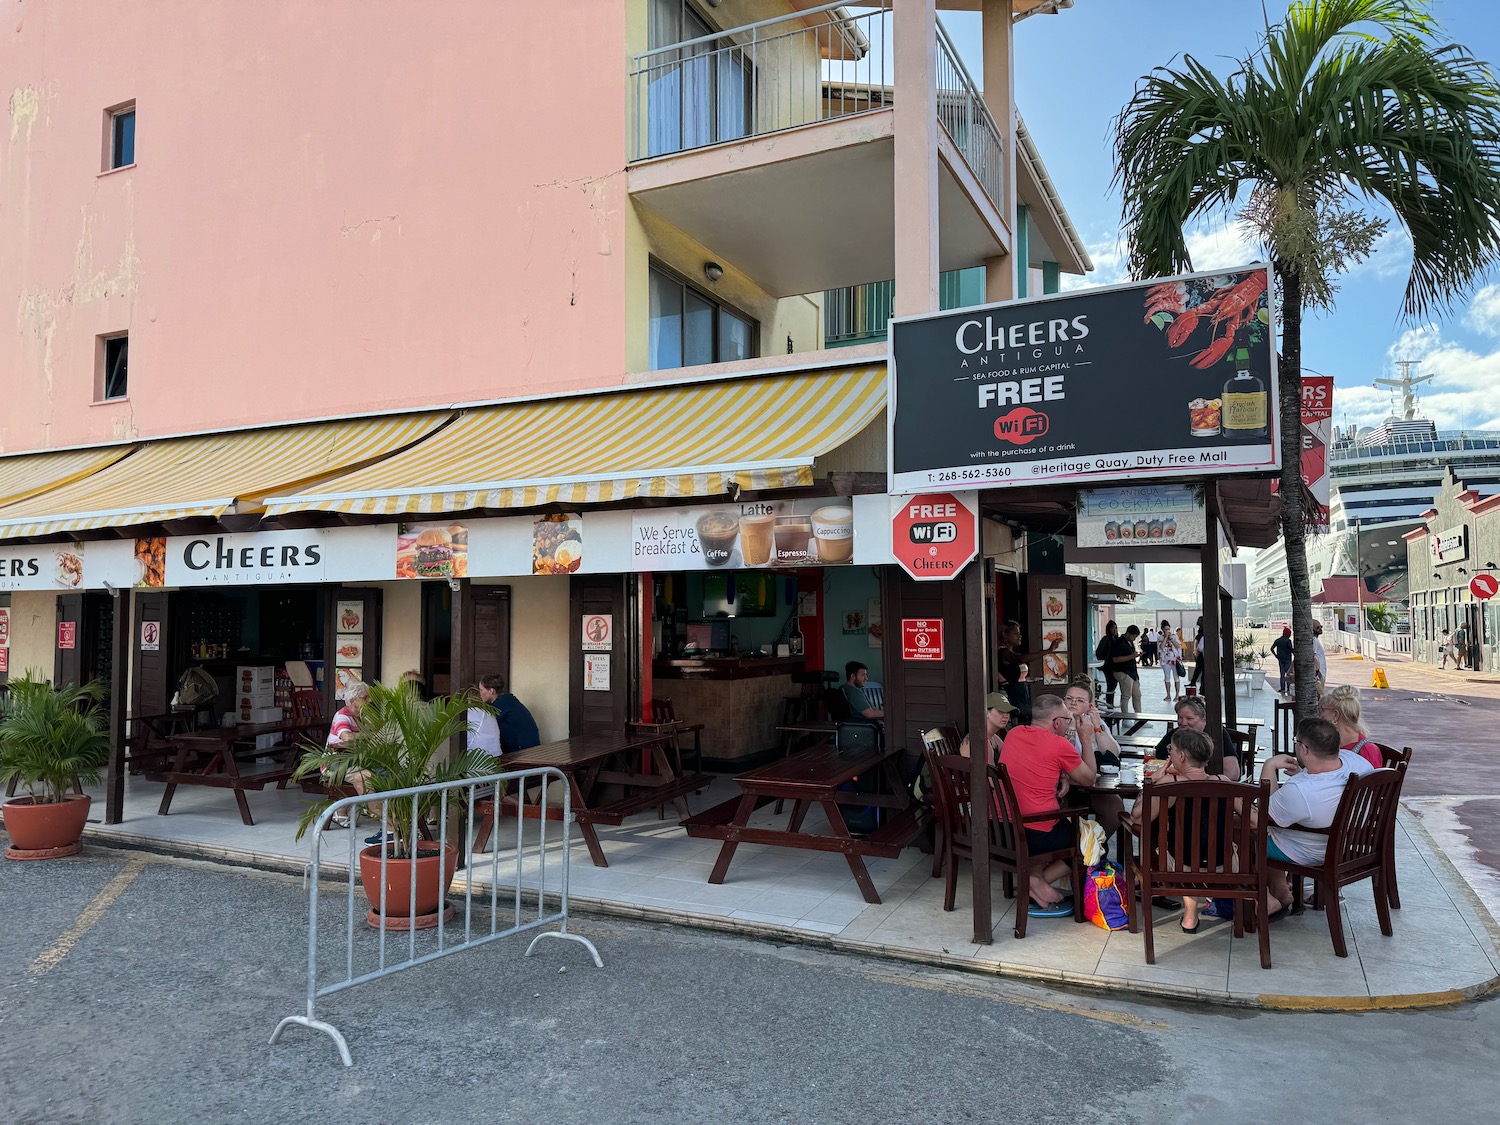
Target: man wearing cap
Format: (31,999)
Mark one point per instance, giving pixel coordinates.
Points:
(998,710)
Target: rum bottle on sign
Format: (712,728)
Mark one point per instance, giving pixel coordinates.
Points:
(1245,406)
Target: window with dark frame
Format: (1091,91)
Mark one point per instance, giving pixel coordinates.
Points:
(116,367)
(688,327)
(122,138)
(701,95)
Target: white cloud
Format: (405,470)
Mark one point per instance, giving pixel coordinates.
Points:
(1222,245)
(1211,246)
(1389,258)
(1484,311)
(1108,255)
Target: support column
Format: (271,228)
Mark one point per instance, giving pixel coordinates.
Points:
(119,676)
(979,753)
(461,650)
(1213,678)
(998,78)
(914,29)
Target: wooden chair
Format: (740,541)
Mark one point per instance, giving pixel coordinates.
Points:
(1393,759)
(1007,842)
(1356,849)
(939,741)
(1197,839)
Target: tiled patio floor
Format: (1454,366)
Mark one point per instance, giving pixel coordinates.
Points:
(1443,946)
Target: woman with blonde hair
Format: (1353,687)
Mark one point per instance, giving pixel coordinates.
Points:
(1340,706)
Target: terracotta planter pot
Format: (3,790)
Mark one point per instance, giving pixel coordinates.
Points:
(432,871)
(49,830)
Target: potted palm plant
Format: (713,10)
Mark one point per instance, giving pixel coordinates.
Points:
(48,741)
(399,745)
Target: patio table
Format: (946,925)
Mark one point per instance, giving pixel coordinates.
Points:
(816,776)
(583,760)
(209,757)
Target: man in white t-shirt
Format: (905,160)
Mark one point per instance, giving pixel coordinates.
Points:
(1310,796)
(484,731)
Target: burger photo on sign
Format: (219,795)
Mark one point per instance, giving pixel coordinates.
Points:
(458,538)
(434,553)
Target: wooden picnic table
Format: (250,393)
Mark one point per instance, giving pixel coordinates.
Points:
(209,757)
(815,776)
(583,760)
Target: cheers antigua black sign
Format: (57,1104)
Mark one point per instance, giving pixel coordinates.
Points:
(1167,378)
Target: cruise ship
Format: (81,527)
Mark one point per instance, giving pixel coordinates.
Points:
(1381,480)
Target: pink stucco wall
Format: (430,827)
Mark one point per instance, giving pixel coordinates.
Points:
(337,206)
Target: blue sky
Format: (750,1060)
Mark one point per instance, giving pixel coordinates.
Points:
(1077,69)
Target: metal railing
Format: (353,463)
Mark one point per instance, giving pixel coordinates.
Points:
(857,312)
(761,78)
(962,111)
(524,913)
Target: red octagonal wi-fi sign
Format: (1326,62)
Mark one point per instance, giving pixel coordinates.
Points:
(935,533)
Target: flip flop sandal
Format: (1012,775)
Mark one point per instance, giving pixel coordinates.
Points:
(1063,906)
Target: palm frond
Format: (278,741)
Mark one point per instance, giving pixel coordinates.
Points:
(50,738)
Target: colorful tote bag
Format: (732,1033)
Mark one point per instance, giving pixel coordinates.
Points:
(1102,901)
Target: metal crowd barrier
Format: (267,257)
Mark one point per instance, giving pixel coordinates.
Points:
(439,940)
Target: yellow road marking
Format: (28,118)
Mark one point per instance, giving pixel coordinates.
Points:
(86,921)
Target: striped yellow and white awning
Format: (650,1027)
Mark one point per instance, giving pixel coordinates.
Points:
(211,475)
(681,441)
(28,474)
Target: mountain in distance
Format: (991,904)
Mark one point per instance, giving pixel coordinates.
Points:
(1155,599)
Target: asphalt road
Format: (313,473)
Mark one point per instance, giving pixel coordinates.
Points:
(137,989)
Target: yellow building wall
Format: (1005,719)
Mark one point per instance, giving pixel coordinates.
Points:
(400,629)
(33,629)
(539,667)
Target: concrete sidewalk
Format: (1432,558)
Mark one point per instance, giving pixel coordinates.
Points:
(1444,949)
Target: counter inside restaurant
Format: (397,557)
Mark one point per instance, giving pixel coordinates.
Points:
(738,699)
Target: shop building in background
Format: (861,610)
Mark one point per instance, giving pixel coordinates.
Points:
(322,362)
(1454,565)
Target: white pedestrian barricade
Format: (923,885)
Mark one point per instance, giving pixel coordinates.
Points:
(365,958)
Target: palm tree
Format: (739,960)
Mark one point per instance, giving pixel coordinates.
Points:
(1346,105)
(401,744)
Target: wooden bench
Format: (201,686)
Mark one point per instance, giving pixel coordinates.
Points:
(899,831)
(615,812)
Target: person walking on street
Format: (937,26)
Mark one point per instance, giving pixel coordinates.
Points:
(1197,656)
(1170,651)
(1102,653)
(1461,647)
(1281,649)
(1320,658)
(1445,648)
(1123,667)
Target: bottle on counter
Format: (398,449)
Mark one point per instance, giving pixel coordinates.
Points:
(794,642)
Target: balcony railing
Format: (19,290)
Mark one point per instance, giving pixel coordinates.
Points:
(963,113)
(857,314)
(794,70)
(761,78)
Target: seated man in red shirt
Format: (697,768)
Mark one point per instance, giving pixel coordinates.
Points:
(1041,761)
